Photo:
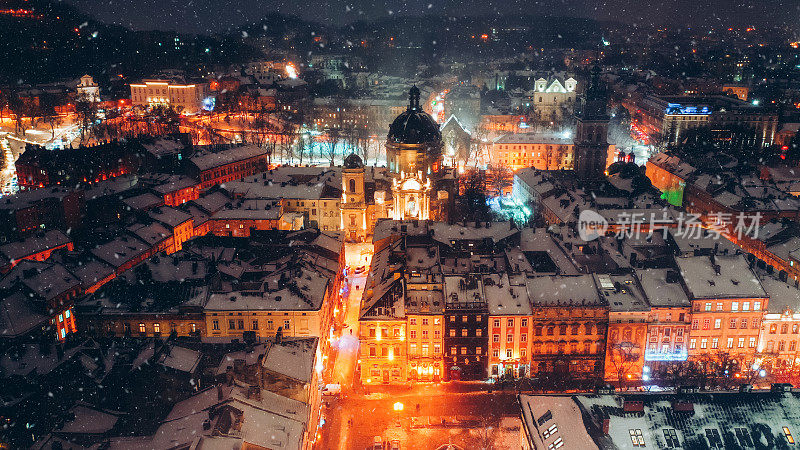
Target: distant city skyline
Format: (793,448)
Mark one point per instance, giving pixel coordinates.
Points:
(207,16)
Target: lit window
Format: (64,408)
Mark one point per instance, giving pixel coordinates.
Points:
(142,328)
(671,436)
(558,443)
(637,439)
(157,327)
(548,432)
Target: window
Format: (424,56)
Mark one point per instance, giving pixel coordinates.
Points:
(523,323)
(215,324)
(756,306)
(464,319)
(510,323)
(714,438)
(496,353)
(522,353)
(671,438)
(794,328)
(286,327)
(692,344)
(730,342)
(413,333)
(424,350)
(743,323)
(241,324)
(558,443)
(548,432)
(413,321)
(510,338)
(717,324)
(792,346)
(743,434)
(373,352)
(157,327)
(464,332)
(509,353)
(734,306)
(745,306)
(752,342)
(142,328)
(463,350)
(703,343)
(708,306)
(637,439)
(715,343)
(437,349)
(437,334)
(495,338)
(773,328)
(523,337)
(784,328)
(719,306)
(255,324)
(741,342)
(706,324)
(496,323)
(695,324)
(788,435)
(732,324)
(424,334)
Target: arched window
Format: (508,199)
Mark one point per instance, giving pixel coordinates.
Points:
(352,185)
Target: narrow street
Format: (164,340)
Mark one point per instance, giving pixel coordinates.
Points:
(466,414)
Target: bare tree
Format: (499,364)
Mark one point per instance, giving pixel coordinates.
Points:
(623,357)
(86,111)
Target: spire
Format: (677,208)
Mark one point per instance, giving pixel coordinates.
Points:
(413,98)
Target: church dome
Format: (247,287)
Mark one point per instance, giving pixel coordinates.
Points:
(414,126)
(353,161)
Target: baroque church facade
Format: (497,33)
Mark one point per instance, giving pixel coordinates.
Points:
(419,184)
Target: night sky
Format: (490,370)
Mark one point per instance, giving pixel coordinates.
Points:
(203,16)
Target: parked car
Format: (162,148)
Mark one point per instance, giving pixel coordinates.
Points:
(332,389)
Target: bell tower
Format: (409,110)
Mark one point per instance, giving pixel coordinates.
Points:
(353,206)
(591,130)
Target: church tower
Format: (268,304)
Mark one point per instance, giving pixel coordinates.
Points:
(591,131)
(354,205)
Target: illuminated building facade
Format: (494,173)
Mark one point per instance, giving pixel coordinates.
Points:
(510,326)
(568,327)
(537,150)
(728,304)
(553,99)
(668,325)
(732,121)
(354,205)
(183,97)
(88,90)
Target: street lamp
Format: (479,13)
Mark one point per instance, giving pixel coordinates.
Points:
(398,406)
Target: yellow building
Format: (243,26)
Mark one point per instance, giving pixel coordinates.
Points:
(424,314)
(185,97)
(354,205)
(299,301)
(550,151)
(383,355)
